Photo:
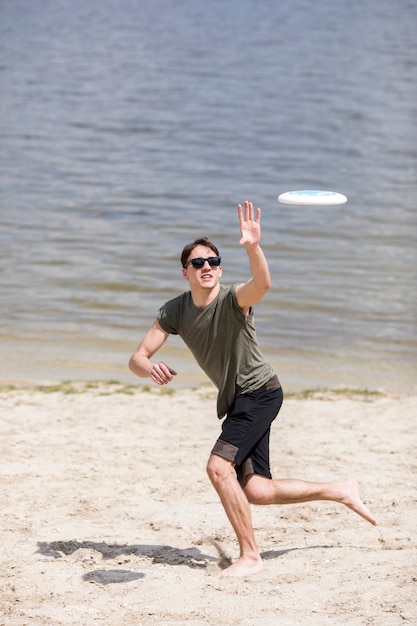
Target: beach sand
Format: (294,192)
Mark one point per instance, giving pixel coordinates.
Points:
(108,517)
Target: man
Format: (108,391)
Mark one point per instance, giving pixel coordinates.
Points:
(216,323)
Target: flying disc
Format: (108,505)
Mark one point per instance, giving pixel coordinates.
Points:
(312,197)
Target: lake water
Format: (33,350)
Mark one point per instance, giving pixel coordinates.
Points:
(129,127)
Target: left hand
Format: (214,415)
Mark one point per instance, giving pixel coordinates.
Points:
(250,228)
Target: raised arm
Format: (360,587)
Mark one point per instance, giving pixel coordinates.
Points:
(253,291)
(140,363)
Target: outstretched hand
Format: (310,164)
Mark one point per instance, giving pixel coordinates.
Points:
(250,227)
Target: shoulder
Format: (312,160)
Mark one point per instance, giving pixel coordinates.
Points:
(228,298)
(226,295)
(227,291)
(169,314)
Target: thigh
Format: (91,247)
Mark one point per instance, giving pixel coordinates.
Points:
(247,425)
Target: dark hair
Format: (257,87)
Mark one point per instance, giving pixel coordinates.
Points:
(202,241)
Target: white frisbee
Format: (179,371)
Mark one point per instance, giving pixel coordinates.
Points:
(312,197)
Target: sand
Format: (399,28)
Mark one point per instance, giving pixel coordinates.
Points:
(108,517)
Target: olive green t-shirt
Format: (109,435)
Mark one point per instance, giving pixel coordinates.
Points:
(222,340)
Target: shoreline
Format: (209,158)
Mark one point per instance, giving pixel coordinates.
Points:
(296,370)
(107,386)
(57,358)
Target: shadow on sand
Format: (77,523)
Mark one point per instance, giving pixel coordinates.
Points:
(192,557)
(168,555)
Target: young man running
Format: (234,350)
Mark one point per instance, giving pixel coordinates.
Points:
(216,323)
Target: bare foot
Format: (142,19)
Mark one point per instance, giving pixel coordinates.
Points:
(351,498)
(244,566)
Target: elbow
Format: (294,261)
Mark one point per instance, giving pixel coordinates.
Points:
(261,291)
(266,284)
(131,364)
(137,365)
(265,280)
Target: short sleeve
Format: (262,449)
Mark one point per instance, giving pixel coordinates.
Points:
(167,317)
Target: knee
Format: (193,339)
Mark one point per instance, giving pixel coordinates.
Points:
(218,469)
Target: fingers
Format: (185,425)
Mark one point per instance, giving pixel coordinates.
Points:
(161,374)
(240,213)
(248,214)
(250,228)
(248,210)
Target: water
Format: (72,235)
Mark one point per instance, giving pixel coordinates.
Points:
(129,128)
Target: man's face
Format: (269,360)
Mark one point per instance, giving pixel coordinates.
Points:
(205,277)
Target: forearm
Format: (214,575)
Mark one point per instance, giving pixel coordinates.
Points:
(261,277)
(140,365)
(250,227)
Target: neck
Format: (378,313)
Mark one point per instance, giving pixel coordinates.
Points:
(203,297)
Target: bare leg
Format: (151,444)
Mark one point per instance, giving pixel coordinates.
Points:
(237,508)
(261,490)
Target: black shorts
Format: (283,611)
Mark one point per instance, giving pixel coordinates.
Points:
(245,431)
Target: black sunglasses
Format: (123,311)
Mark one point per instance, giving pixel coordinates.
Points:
(213,261)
